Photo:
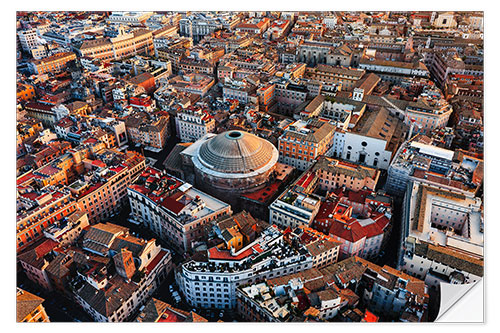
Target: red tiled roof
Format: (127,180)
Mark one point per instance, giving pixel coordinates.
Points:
(49,170)
(351,232)
(31,195)
(373,230)
(215,253)
(263,194)
(44,248)
(155,261)
(359,196)
(25,178)
(38,106)
(117,169)
(172,205)
(381,220)
(326,208)
(306,179)
(169,316)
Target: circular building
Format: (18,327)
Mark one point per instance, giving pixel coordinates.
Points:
(234,161)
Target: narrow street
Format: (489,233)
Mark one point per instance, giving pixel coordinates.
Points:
(162,155)
(58,307)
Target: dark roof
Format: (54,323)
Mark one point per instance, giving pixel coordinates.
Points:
(152,310)
(174,159)
(133,244)
(381,124)
(450,257)
(59,266)
(107,300)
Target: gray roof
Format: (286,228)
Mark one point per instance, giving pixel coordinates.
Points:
(236,152)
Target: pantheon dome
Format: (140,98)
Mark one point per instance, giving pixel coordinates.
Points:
(234,161)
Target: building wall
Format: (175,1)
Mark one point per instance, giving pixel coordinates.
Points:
(30,228)
(286,215)
(165,225)
(370,150)
(38,276)
(420,267)
(330,182)
(37,316)
(218,290)
(53,66)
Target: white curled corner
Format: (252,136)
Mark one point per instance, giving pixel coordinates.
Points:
(461,303)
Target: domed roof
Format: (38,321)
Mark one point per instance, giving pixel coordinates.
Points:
(236,152)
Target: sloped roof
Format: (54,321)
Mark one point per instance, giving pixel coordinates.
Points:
(106,301)
(25,303)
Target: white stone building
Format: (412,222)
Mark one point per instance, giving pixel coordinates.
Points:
(213,284)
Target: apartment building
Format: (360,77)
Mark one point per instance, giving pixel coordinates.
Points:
(213,283)
(139,41)
(405,298)
(433,165)
(140,265)
(254,25)
(103,192)
(130,18)
(437,264)
(394,71)
(38,210)
(172,209)
(363,235)
(452,222)
(324,249)
(193,123)
(319,299)
(48,114)
(441,65)
(148,131)
(66,231)
(427,114)
(194,83)
(28,39)
(297,205)
(327,74)
(334,174)
(35,261)
(54,64)
(303,141)
(289,96)
(237,89)
(336,110)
